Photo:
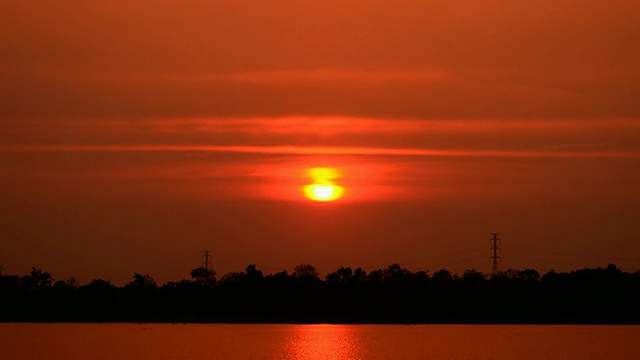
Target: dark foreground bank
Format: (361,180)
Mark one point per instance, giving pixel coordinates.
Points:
(390,295)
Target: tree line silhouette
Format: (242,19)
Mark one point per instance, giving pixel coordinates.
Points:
(389,295)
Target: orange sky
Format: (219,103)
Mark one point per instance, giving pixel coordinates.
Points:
(135,134)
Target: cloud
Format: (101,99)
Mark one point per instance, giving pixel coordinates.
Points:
(408,59)
(266,158)
(443,137)
(328,76)
(333,151)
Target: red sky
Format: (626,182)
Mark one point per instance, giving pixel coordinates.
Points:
(134,135)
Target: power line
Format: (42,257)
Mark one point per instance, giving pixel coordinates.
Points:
(573,255)
(549,262)
(459,253)
(464,260)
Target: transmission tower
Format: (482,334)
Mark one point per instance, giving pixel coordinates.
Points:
(495,257)
(206,259)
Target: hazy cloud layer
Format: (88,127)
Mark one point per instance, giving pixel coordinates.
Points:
(410,59)
(332,135)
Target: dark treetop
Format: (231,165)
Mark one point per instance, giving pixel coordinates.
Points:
(389,295)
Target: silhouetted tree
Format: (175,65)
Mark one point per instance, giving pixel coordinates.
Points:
(98,286)
(342,275)
(252,272)
(442,276)
(204,276)
(374,276)
(98,300)
(473,276)
(389,295)
(305,271)
(37,278)
(282,276)
(69,284)
(10,281)
(232,278)
(359,275)
(526,275)
(141,282)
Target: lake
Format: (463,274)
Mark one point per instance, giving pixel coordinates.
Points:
(258,341)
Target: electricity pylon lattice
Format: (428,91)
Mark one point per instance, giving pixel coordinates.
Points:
(495,240)
(206,259)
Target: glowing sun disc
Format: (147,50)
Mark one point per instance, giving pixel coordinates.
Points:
(323,192)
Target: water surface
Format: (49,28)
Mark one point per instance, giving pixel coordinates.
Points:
(253,341)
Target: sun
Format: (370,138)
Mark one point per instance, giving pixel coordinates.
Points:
(323,187)
(323,192)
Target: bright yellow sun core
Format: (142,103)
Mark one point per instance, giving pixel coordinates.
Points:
(323,187)
(323,192)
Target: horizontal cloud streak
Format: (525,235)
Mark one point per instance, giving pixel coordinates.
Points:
(312,76)
(606,137)
(299,150)
(337,75)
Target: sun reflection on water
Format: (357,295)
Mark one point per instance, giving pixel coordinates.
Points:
(323,342)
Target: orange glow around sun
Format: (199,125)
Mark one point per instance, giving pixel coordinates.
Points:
(323,187)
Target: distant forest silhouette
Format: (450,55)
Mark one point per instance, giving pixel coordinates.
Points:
(390,295)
